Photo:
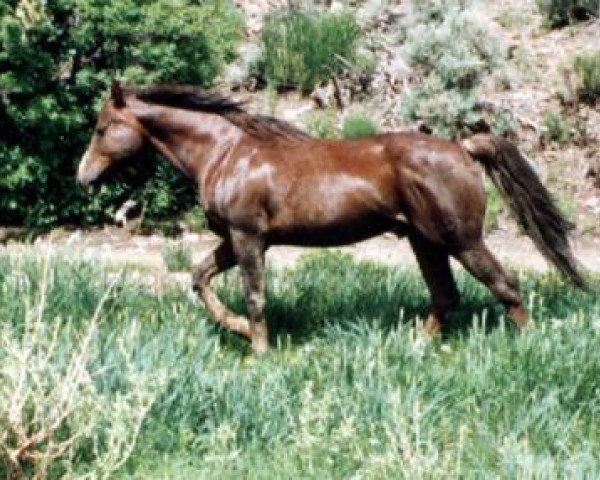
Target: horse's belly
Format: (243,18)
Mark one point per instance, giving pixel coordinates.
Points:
(333,234)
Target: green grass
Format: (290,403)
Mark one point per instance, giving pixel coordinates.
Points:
(348,390)
(358,126)
(587,68)
(177,257)
(301,49)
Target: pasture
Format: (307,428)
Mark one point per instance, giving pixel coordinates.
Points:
(136,383)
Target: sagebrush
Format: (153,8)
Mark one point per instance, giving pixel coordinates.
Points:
(450,47)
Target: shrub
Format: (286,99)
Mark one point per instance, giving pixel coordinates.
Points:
(449,46)
(358,126)
(57,58)
(558,13)
(587,68)
(177,258)
(54,410)
(195,220)
(558,128)
(322,124)
(301,49)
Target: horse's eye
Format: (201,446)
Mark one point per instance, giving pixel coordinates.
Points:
(100,131)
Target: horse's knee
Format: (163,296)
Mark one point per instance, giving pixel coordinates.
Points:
(200,278)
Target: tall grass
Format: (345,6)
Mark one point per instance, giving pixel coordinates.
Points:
(349,390)
(587,68)
(301,49)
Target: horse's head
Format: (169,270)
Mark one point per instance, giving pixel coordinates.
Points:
(118,136)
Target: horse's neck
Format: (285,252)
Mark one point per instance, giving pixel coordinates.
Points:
(191,141)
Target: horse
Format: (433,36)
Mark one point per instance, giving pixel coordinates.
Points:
(263,182)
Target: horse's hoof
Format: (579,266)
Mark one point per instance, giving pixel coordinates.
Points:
(432,327)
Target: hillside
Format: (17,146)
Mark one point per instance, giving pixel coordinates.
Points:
(534,84)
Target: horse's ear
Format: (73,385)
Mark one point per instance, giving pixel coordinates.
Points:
(116,93)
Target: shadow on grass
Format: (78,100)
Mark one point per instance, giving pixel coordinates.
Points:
(330,288)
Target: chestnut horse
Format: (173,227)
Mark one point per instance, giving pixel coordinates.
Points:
(263,182)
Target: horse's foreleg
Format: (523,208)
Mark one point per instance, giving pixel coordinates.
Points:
(219,260)
(480,262)
(435,267)
(250,252)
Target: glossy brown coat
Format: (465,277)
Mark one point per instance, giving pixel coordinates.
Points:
(262,182)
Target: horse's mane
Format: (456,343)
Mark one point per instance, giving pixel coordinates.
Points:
(195,99)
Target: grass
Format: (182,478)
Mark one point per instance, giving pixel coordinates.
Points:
(177,258)
(349,391)
(587,68)
(301,49)
(494,207)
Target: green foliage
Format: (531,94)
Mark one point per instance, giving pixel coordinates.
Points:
(195,220)
(301,49)
(358,126)
(177,258)
(451,48)
(587,68)
(322,124)
(558,13)
(58,58)
(349,389)
(558,128)
(60,413)
(493,208)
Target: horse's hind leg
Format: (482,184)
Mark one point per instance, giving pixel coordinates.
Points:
(219,260)
(250,252)
(480,262)
(435,267)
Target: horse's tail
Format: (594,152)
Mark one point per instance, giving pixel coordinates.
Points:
(528,200)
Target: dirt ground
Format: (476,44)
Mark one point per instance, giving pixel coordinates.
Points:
(118,247)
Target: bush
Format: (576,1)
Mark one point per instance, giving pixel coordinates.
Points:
(358,127)
(558,13)
(449,46)
(322,124)
(587,68)
(301,49)
(558,128)
(56,417)
(56,61)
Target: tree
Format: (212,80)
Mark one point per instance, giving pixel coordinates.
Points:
(56,60)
